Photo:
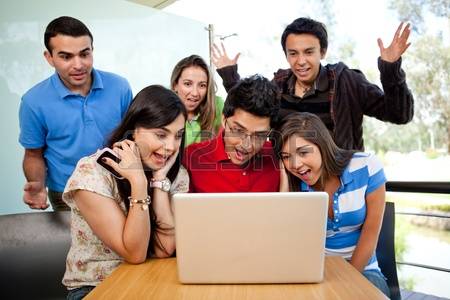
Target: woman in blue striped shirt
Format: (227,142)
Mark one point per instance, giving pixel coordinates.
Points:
(354,181)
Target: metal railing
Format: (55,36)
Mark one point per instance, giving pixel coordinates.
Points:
(432,187)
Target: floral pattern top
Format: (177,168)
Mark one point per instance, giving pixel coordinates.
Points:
(89,260)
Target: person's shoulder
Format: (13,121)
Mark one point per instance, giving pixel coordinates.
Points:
(218,100)
(337,68)
(365,160)
(90,176)
(341,70)
(89,164)
(347,78)
(219,107)
(87,169)
(110,77)
(200,152)
(281,74)
(36,92)
(204,145)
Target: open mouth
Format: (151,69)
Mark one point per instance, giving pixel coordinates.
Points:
(78,76)
(160,158)
(304,175)
(241,154)
(192,102)
(303,71)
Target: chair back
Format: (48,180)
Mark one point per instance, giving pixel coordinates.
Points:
(386,250)
(33,251)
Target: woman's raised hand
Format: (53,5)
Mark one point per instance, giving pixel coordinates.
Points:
(130,165)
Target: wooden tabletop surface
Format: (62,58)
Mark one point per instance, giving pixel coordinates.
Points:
(157,279)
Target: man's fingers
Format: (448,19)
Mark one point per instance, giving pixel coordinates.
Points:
(216,51)
(214,55)
(407,46)
(406,32)
(399,28)
(39,206)
(215,48)
(236,57)
(28,202)
(380,44)
(223,49)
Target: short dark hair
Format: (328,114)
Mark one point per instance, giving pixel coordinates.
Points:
(255,95)
(65,26)
(309,26)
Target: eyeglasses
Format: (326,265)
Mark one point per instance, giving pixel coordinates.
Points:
(258,137)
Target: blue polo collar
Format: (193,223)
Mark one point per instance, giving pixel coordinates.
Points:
(63,91)
(346,176)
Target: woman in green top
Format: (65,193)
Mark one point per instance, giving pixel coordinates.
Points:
(192,81)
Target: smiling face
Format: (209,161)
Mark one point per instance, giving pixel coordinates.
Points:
(72,59)
(303,159)
(245,135)
(303,54)
(192,87)
(157,145)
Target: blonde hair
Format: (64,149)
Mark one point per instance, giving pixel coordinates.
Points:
(207,108)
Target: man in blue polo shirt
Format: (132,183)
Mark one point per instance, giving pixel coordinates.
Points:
(69,115)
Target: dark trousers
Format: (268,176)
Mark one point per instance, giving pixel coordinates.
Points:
(79,293)
(56,201)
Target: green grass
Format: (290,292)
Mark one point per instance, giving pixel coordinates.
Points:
(439,207)
(420,201)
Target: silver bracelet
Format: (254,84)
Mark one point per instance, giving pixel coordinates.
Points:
(143,202)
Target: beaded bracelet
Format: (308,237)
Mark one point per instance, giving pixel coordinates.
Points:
(143,202)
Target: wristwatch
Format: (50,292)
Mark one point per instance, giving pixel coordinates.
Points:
(163,185)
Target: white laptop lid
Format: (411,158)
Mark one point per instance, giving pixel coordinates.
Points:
(250,237)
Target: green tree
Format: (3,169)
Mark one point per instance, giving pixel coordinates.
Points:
(429,77)
(428,66)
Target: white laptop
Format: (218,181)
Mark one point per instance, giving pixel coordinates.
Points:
(250,237)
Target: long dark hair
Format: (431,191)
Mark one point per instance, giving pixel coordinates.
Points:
(312,129)
(153,107)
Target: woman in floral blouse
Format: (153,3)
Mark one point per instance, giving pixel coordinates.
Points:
(128,219)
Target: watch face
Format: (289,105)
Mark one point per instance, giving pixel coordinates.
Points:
(165,185)
(162,184)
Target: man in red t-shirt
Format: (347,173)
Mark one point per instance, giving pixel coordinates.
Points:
(240,158)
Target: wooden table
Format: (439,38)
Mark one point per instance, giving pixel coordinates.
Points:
(157,279)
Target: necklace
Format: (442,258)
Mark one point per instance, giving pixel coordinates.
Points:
(302,89)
